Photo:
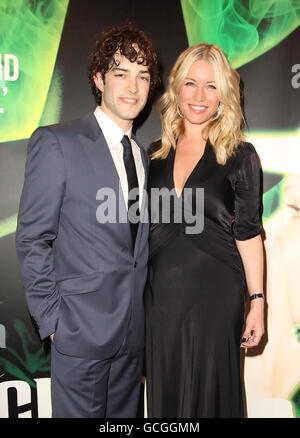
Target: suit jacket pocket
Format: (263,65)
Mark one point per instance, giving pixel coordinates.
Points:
(81,284)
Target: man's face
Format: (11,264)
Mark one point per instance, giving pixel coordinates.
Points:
(124,90)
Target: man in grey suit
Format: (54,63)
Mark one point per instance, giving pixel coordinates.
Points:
(83,275)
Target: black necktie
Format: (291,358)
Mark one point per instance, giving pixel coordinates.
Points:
(132,182)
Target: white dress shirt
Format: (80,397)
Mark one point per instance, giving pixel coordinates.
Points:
(113,135)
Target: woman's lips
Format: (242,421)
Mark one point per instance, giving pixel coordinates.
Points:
(198,108)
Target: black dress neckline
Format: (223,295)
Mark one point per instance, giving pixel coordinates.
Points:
(172,155)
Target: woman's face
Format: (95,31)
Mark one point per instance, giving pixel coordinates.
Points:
(198,98)
(289,240)
(283,249)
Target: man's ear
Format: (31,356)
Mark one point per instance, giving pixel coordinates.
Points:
(99,81)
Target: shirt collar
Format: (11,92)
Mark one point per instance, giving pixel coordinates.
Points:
(110,129)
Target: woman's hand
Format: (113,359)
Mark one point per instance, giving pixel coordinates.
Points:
(254,328)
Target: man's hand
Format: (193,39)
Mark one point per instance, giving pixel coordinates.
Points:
(52,337)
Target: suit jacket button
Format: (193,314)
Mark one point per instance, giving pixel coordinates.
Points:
(135,263)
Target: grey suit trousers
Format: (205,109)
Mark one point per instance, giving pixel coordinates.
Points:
(119,376)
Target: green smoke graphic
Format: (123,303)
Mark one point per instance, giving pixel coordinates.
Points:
(31,32)
(272,200)
(243,29)
(32,361)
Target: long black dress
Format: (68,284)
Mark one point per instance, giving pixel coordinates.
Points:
(195,297)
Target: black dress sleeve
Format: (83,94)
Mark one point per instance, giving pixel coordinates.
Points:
(248,194)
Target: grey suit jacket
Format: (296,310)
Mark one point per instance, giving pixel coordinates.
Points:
(83,280)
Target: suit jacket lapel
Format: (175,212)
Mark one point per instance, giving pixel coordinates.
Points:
(144,206)
(97,150)
(95,144)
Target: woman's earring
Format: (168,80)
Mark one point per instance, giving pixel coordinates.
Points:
(179,112)
(219,110)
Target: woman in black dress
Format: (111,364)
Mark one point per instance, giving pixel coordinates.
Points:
(200,276)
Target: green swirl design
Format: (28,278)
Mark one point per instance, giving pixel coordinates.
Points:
(30,30)
(243,29)
(32,360)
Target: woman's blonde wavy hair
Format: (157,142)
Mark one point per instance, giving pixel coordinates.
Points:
(224,130)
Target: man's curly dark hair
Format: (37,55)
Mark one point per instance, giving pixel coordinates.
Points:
(128,41)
